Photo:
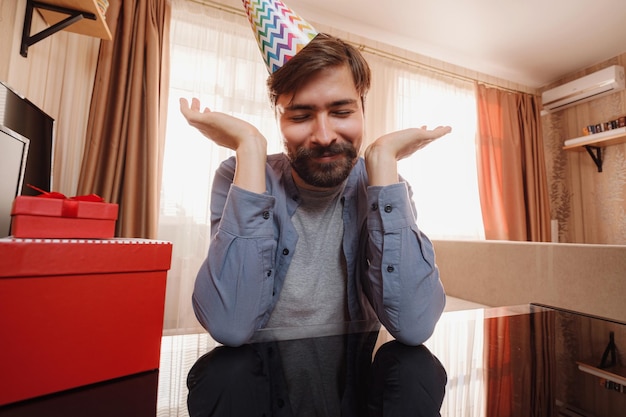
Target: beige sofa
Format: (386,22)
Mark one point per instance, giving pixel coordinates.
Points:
(586,278)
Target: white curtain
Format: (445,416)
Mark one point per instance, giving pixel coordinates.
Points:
(178,355)
(458,343)
(215,57)
(443,174)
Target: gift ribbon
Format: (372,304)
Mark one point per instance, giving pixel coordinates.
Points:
(95,198)
(69,208)
(70,204)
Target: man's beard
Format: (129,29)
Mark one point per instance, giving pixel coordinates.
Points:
(326,174)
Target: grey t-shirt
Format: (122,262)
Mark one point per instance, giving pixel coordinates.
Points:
(315,285)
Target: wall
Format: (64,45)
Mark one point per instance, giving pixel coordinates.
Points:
(585,278)
(589,205)
(57,75)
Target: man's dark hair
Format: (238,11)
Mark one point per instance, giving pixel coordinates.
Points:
(324,51)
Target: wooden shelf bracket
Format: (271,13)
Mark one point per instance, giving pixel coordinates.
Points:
(73,17)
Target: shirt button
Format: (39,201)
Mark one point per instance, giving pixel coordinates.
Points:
(266,215)
(269,273)
(390,268)
(285,252)
(374,207)
(388,208)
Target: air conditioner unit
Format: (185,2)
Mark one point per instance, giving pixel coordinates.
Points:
(589,87)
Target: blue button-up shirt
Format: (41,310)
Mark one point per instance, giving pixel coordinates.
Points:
(392,275)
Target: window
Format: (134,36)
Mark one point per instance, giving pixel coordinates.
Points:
(443,174)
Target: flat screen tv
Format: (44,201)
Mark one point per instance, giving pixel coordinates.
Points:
(21,116)
(13,154)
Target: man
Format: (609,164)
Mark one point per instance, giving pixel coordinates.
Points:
(318,235)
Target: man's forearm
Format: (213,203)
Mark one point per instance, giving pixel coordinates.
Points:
(382,167)
(250,169)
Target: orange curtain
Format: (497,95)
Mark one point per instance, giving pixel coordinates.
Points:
(126,129)
(511,166)
(499,372)
(520,361)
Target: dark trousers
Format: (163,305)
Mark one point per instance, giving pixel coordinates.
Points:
(250,381)
(406,381)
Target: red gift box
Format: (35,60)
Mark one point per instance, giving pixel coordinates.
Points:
(37,217)
(75,312)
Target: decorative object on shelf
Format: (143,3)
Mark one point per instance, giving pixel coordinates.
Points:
(604,127)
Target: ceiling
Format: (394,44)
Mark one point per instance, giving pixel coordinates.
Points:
(529,42)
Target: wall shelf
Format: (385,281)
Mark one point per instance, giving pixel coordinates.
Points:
(77,16)
(609,369)
(609,137)
(614,374)
(593,143)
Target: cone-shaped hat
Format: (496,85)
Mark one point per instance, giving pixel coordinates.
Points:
(280,32)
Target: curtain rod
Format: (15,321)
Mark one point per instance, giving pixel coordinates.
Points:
(220,6)
(419,65)
(377,52)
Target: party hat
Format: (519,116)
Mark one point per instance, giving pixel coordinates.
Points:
(280,32)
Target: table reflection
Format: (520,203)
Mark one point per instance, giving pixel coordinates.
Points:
(513,361)
(318,376)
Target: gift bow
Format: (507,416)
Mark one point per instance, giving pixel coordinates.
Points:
(53,194)
(70,205)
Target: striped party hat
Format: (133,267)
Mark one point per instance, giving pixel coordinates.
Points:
(280,32)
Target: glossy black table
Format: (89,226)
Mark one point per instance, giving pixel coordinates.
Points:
(513,361)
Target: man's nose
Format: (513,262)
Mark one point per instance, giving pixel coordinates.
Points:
(324,133)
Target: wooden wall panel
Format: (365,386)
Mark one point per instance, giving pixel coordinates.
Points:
(589,205)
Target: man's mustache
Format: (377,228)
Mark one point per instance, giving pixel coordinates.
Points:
(331,150)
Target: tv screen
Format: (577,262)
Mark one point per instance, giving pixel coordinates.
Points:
(13,154)
(25,118)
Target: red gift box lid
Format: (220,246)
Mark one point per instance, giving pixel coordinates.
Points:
(55,207)
(50,257)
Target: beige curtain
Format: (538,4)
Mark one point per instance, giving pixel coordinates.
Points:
(126,128)
(511,166)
